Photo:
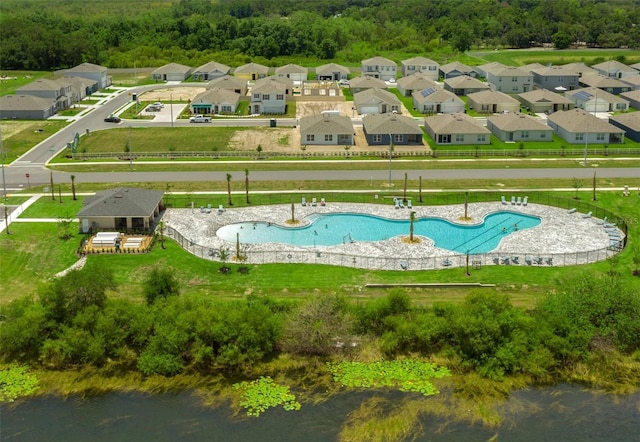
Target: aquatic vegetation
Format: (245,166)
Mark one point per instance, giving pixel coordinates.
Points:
(16,381)
(405,375)
(262,394)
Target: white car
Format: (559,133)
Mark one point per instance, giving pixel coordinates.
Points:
(199,119)
(157,104)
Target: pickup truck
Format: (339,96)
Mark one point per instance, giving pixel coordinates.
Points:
(199,119)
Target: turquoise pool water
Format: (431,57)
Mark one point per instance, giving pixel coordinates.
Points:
(341,228)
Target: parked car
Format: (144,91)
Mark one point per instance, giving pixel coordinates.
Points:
(199,119)
(112,119)
(158,104)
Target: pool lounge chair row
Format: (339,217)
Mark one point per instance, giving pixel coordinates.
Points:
(208,209)
(399,205)
(515,260)
(314,202)
(515,201)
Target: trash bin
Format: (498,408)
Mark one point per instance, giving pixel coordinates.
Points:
(273,122)
(134,97)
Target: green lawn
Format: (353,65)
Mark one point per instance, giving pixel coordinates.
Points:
(46,207)
(32,133)
(407,102)
(16,79)
(556,57)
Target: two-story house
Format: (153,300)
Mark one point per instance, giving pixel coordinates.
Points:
(420,64)
(268,96)
(380,67)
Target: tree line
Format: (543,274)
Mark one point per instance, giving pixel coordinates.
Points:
(58,34)
(74,323)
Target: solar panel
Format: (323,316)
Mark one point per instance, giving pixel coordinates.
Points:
(427,92)
(583,95)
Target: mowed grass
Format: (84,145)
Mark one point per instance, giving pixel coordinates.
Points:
(46,207)
(13,80)
(26,134)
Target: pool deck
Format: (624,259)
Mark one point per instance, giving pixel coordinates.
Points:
(560,233)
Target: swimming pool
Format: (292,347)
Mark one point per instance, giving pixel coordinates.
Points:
(341,228)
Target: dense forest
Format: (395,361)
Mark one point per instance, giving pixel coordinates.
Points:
(54,34)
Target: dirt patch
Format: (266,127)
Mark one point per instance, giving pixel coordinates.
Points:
(10,128)
(309,108)
(271,139)
(175,94)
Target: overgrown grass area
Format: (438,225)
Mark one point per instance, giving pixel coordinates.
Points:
(558,57)
(23,135)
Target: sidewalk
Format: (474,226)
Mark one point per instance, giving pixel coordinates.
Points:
(13,216)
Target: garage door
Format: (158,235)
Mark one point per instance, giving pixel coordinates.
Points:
(369,110)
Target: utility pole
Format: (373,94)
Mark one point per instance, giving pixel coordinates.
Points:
(390,154)
(4,183)
(130,152)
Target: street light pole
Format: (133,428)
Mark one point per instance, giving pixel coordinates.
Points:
(171,104)
(130,152)
(4,183)
(390,154)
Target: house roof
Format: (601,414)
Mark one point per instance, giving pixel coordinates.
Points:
(375,95)
(636,66)
(390,124)
(228,82)
(416,81)
(630,120)
(544,96)
(631,95)
(632,80)
(435,95)
(250,68)
(516,121)
(594,93)
(45,84)
(80,81)
(600,81)
(491,97)
(455,66)
(510,71)
(489,67)
(270,85)
(554,71)
(378,61)
(87,67)
(330,68)
(120,202)
(291,69)
(418,61)
(213,66)
(465,82)
(367,82)
(326,124)
(171,68)
(532,67)
(456,123)
(579,68)
(578,120)
(216,95)
(613,66)
(24,103)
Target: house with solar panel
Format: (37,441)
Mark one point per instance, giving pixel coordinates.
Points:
(464,85)
(492,102)
(416,82)
(596,100)
(514,127)
(435,100)
(577,126)
(382,129)
(376,101)
(215,101)
(456,128)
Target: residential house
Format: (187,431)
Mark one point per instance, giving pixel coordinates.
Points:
(327,129)
(633,97)
(268,96)
(425,66)
(415,82)
(293,72)
(235,84)
(210,71)
(287,82)
(532,67)
(483,69)
(630,123)
(359,84)
(92,72)
(636,66)
(122,208)
(382,129)
(456,69)
(633,81)
(543,101)
(596,100)
(435,100)
(509,79)
(332,72)
(577,126)
(464,85)
(608,84)
(514,127)
(215,101)
(492,102)
(376,101)
(81,88)
(456,128)
(614,69)
(26,107)
(579,68)
(57,91)
(555,78)
(251,71)
(171,72)
(319,89)
(380,67)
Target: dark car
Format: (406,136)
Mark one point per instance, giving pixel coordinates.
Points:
(112,119)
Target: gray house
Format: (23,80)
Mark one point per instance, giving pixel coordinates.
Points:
(235,84)
(558,78)
(509,79)
(215,101)
(456,69)
(26,107)
(456,129)
(382,129)
(415,82)
(123,208)
(492,102)
(376,101)
(435,100)
(293,71)
(633,81)
(57,91)
(332,72)
(420,64)
(593,99)
(380,67)
(81,88)
(210,71)
(614,69)
(92,72)
(578,126)
(630,123)
(464,85)
(327,129)
(607,84)
(633,97)
(544,101)
(359,84)
(483,69)
(171,72)
(268,96)
(518,127)
(579,68)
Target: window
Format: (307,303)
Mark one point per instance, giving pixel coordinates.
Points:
(394,108)
(328,137)
(398,138)
(369,68)
(543,135)
(621,106)
(256,96)
(515,88)
(411,68)
(459,138)
(600,137)
(514,79)
(579,137)
(279,97)
(311,137)
(433,68)
(266,97)
(524,134)
(482,138)
(226,108)
(377,138)
(484,107)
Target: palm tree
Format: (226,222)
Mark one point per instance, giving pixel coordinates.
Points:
(229,188)
(412,218)
(246,183)
(73,186)
(420,188)
(404,194)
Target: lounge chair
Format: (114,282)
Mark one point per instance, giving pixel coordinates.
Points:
(496,260)
(587,215)
(537,260)
(515,259)
(505,260)
(404,265)
(602,222)
(572,210)
(396,202)
(304,201)
(519,201)
(528,260)
(549,260)
(314,202)
(446,262)
(525,200)
(220,208)
(513,200)
(202,209)
(504,200)
(409,206)
(209,208)
(400,203)
(323,202)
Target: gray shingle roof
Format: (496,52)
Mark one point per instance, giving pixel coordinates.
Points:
(595,93)
(457,123)
(271,85)
(600,81)
(418,61)
(438,95)
(121,202)
(544,96)
(171,68)
(45,84)
(87,67)
(326,124)
(291,69)
(455,66)
(416,81)
(631,120)
(390,124)
(216,95)
(330,68)
(517,121)
(378,61)
(366,82)
(213,66)
(250,68)
(375,95)
(578,120)
(613,66)
(465,82)
(24,103)
(228,82)
(491,97)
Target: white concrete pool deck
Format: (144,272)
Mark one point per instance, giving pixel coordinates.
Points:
(559,235)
